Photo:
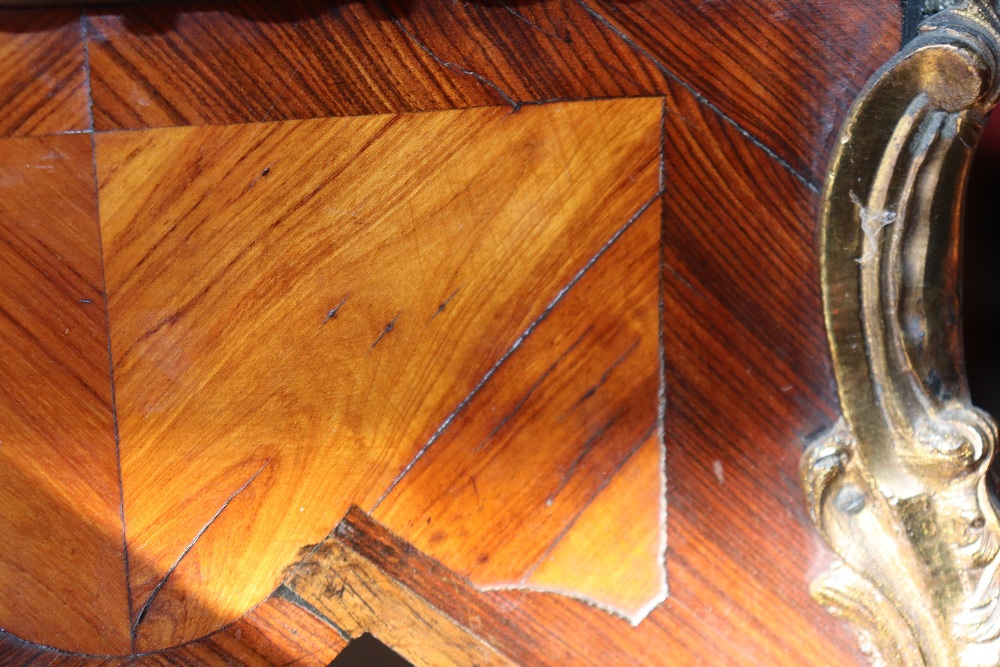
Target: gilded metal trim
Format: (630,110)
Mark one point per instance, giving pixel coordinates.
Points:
(898,489)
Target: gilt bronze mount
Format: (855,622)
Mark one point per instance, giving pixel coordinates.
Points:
(898,488)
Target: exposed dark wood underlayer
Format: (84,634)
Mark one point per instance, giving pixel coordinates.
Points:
(752,95)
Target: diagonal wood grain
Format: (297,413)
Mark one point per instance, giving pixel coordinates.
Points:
(630,510)
(530,51)
(42,83)
(276,632)
(746,360)
(62,573)
(749,376)
(784,70)
(251,61)
(748,380)
(199,64)
(538,444)
(296,307)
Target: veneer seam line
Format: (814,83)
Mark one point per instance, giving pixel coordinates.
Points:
(515,105)
(572,522)
(524,103)
(107,321)
(661,398)
(517,344)
(701,98)
(149,601)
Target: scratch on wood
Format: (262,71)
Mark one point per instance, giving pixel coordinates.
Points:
(145,607)
(475,489)
(565,40)
(607,373)
(719,471)
(284,87)
(264,172)
(587,446)
(388,329)
(517,344)
(515,105)
(524,399)
(444,304)
(336,309)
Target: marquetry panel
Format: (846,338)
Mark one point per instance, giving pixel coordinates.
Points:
(747,382)
(297,308)
(42,78)
(62,570)
(541,441)
(483,326)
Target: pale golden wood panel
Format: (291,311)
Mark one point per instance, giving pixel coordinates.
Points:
(62,571)
(614,553)
(497,496)
(297,307)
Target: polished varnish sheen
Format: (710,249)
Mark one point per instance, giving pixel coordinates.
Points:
(532,286)
(297,308)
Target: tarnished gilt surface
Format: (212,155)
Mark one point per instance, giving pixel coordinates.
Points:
(898,488)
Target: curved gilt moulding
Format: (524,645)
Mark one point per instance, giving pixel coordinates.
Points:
(898,487)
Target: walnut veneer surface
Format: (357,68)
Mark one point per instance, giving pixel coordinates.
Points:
(533,285)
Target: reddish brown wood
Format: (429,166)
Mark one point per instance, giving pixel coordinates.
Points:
(169,64)
(17,653)
(440,587)
(253,61)
(530,51)
(784,70)
(62,572)
(748,382)
(528,628)
(42,78)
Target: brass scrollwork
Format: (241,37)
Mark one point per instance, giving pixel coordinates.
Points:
(898,488)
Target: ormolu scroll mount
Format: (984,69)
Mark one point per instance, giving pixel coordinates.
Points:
(898,489)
